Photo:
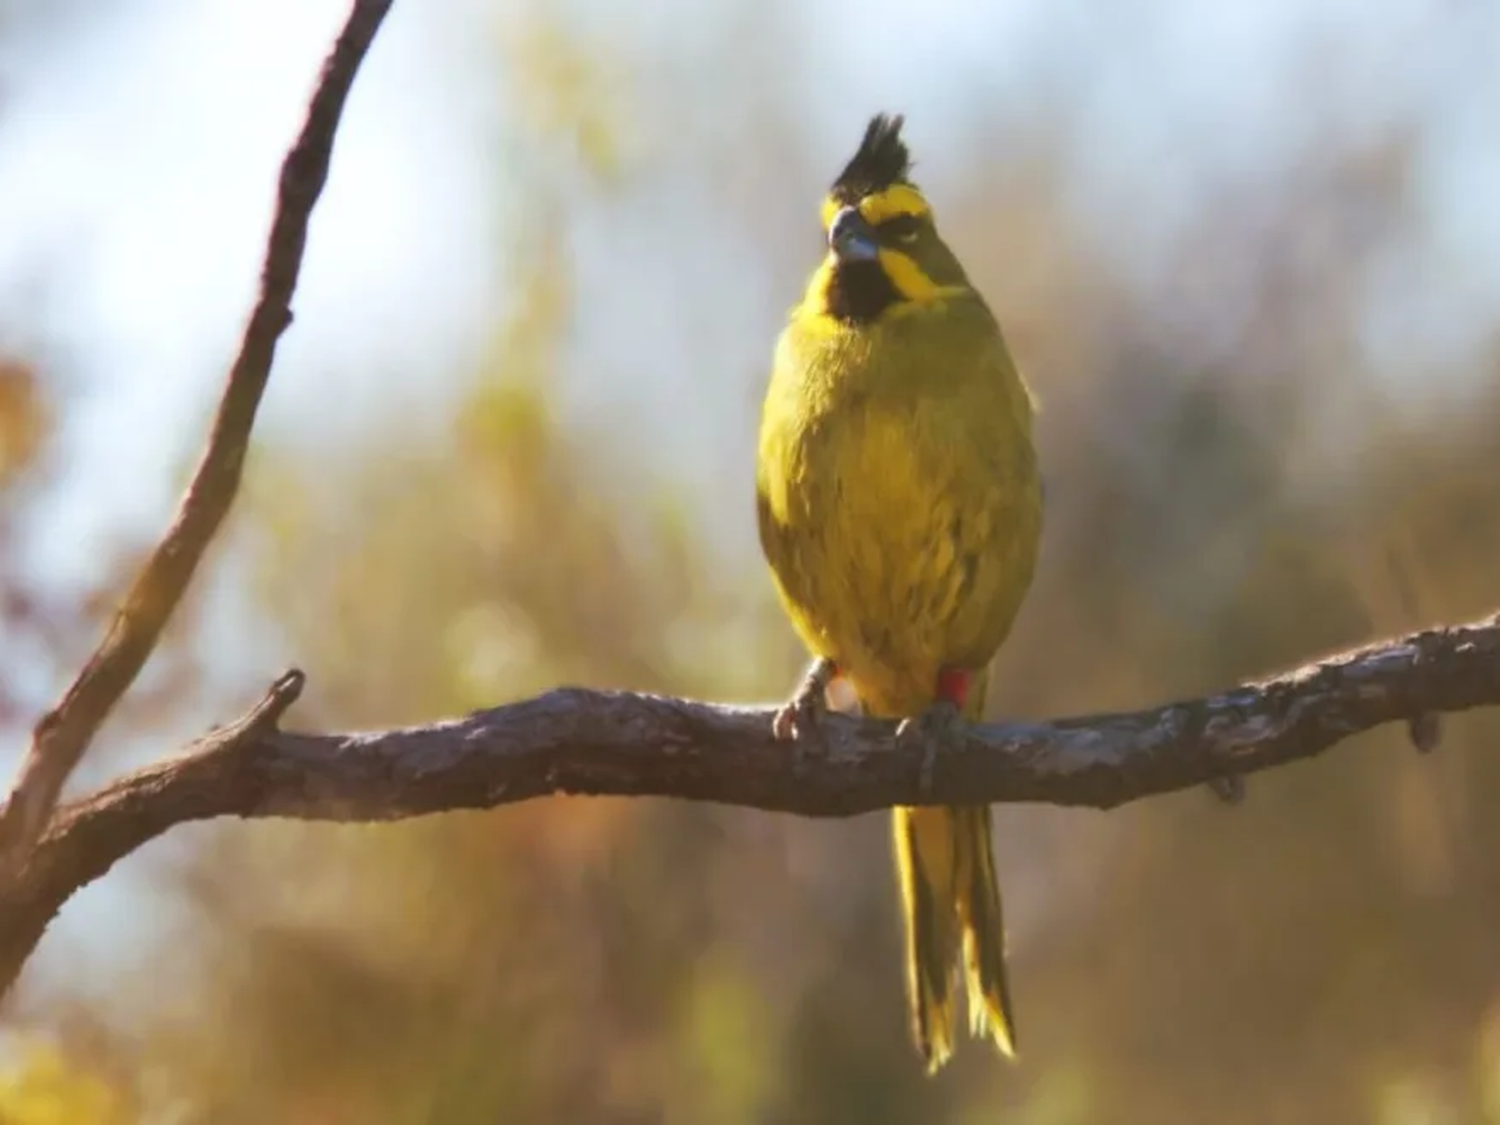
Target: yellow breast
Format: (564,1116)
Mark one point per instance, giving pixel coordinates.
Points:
(899,502)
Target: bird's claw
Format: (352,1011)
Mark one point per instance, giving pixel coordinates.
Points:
(799,716)
(933,730)
(799,719)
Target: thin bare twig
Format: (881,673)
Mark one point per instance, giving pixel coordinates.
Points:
(618,743)
(64,733)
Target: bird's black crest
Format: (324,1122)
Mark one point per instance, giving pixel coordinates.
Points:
(882,160)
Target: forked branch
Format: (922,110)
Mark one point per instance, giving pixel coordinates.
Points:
(65,732)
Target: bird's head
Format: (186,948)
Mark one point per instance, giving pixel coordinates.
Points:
(884,254)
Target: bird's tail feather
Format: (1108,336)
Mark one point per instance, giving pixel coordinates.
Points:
(951,900)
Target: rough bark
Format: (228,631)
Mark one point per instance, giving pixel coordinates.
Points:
(574,741)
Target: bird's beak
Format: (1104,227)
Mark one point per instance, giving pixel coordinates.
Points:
(850,237)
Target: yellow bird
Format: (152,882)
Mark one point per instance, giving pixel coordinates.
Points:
(900,509)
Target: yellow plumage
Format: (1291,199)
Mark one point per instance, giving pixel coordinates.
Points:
(900,510)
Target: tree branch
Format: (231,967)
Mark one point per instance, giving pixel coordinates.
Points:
(617,743)
(65,732)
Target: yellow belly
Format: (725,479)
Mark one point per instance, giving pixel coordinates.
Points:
(903,536)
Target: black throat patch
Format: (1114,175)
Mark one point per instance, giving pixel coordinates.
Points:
(858,292)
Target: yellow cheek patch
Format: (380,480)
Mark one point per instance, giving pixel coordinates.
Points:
(911,282)
(894,201)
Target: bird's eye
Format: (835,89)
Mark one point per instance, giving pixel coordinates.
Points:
(903,228)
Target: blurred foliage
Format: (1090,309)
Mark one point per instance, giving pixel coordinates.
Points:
(38,623)
(567,93)
(43,1087)
(1220,503)
(24,427)
(24,421)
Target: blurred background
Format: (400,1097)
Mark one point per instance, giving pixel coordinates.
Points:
(1248,254)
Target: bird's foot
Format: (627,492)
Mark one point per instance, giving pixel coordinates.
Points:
(940,726)
(936,729)
(799,720)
